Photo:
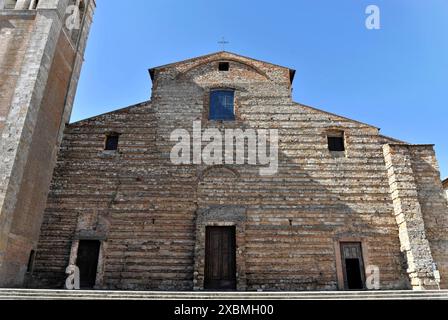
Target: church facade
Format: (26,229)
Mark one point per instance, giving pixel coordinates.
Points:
(346,208)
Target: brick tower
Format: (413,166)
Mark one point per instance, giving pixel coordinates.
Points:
(42,43)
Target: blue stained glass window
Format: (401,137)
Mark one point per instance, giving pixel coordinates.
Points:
(222,105)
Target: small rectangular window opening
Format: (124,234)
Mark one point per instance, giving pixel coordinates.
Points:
(336,142)
(224,66)
(112,142)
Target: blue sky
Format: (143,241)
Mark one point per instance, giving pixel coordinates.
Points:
(395,78)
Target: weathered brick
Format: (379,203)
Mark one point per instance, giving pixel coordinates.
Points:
(151,215)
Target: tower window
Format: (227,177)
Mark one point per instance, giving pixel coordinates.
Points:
(112,142)
(336,141)
(222,105)
(224,66)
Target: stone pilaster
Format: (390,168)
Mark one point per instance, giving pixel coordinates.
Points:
(433,204)
(409,217)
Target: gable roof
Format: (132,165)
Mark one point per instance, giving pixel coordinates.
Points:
(228,55)
(292,72)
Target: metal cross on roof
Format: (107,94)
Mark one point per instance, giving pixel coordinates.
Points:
(223,43)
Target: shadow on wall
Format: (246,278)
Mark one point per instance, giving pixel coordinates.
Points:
(293,220)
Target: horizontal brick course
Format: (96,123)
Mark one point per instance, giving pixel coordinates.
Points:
(150,212)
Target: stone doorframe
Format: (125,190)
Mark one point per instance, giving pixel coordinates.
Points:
(337,248)
(220,216)
(99,282)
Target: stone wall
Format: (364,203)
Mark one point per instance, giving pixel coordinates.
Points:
(433,204)
(151,214)
(418,204)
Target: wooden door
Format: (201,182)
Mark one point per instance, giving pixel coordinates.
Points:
(87,262)
(220,258)
(353,266)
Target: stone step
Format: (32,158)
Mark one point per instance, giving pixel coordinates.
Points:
(24,294)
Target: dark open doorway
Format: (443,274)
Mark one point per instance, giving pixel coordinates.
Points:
(353,266)
(87,262)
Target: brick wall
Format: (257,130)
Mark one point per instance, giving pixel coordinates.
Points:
(151,215)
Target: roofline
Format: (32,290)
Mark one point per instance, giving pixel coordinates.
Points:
(336,115)
(296,103)
(292,72)
(187,60)
(412,145)
(110,112)
(394,139)
(396,142)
